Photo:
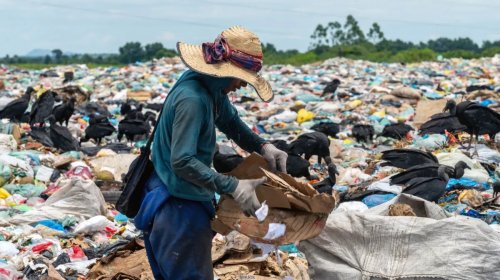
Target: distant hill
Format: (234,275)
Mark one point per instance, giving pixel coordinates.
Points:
(44,52)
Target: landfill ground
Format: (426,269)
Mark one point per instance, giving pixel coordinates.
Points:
(57,214)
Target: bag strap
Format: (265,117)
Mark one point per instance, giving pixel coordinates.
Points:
(151,136)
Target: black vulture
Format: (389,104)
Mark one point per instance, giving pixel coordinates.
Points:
(428,170)
(132,129)
(150,117)
(496,188)
(441,122)
(327,184)
(309,144)
(63,112)
(42,136)
(61,137)
(42,108)
(99,127)
(363,132)
(68,77)
(281,144)
(329,128)
(125,108)
(89,108)
(296,166)
(478,119)
(429,188)
(406,158)
(397,131)
(478,87)
(331,87)
(132,113)
(14,111)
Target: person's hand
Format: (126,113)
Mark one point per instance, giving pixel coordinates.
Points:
(275,157)
(245,195)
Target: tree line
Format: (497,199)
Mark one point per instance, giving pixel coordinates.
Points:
(332,39)
(349,40)
(131,52)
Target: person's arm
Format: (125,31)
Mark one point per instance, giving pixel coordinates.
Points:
(230,124)
(190,115)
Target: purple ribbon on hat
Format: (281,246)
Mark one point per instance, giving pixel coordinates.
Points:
(219,51)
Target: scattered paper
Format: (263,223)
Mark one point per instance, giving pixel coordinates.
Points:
(275,231)
(262,212)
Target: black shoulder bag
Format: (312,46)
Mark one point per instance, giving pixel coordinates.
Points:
(135,180)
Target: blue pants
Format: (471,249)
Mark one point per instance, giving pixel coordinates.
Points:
(177,234)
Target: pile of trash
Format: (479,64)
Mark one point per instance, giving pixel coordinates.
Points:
(59,178)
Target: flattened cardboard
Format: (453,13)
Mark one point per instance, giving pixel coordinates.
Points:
(300,225)
(427,108)
(297,205)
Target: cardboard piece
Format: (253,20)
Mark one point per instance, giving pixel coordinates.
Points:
(141,96)
(295,204)
(427,108)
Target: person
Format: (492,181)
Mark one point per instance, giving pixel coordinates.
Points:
(177,208)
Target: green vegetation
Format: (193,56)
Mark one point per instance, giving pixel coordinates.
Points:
(331,40)
(348,40)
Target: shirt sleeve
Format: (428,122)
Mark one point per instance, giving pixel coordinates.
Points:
(190,115)
(231,124)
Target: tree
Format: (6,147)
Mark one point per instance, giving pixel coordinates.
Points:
(57,53)
(337,35)
(47,59)
(131,52)
(375,34)
(353,33)
(319,37)
(152,49)
(165,53)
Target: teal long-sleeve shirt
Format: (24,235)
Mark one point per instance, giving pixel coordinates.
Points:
(184,142)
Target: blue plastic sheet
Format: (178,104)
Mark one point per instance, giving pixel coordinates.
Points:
(466,183)
(50,224)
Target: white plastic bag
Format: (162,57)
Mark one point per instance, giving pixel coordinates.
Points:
(7,249)
(97,223)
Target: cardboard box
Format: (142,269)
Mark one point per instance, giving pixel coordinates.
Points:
(295,204)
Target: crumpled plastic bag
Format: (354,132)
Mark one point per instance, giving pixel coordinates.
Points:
(7,143)
(406,92)
(77,197)
(351,206)
(429,142)
(385,186)
(487,155)
(97,223)
(18,164)
(7,249)
(303,116)
(353,176)
(377,199)
(286,116)
(26,190)
(472,198)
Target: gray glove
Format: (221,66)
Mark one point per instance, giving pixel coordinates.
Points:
(273,155)
(246,197)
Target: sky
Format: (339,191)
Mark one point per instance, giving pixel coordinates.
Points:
(102,26)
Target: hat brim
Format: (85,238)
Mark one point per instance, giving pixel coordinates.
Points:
(192,56)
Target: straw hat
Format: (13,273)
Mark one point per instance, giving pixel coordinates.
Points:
(236,53)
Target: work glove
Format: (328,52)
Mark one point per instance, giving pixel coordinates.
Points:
(274,156)
(245,195)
